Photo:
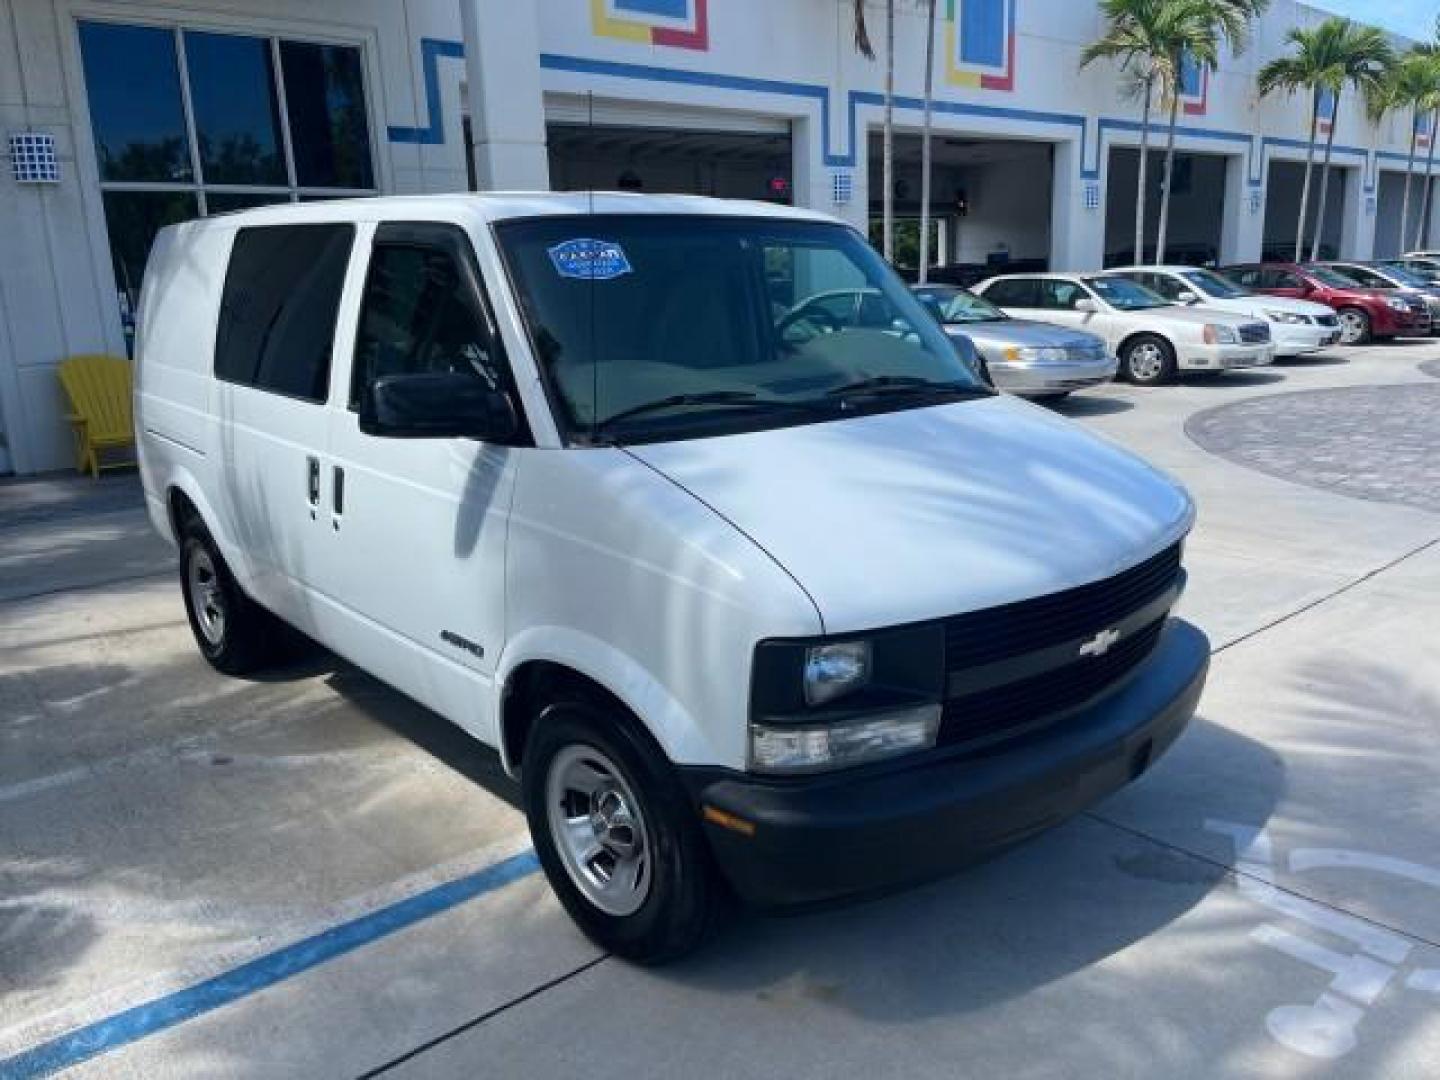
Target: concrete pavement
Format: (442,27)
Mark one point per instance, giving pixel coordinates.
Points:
(1264,902)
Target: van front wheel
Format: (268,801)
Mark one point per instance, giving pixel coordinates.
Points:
(617,835)
(233,632)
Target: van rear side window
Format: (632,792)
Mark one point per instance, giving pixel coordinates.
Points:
(277,315)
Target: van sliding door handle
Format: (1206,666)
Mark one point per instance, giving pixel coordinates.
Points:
(313,467)
(337,492)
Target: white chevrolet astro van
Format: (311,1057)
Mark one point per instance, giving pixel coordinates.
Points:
(751,601)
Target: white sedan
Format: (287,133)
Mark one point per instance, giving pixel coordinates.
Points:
(1153,338)
(1298,326)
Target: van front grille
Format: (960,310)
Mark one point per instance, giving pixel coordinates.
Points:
(984,637)
(1014,632)
(1006,709)
(1255,334)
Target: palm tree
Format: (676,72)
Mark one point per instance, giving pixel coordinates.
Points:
(1432,49)
(1197,29)
(925,143)
(1326,58)
(1135,38)
(1150,40)
(1413,84)
(1425,104)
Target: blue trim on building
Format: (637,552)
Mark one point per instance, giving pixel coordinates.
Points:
(1256,162)
(431,49)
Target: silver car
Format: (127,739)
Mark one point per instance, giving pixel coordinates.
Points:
(1031,359)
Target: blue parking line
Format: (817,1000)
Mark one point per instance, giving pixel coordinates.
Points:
(134,1024)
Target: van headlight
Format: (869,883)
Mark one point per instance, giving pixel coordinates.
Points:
(1216,334)
(819,747)
(827,704)
(832,671)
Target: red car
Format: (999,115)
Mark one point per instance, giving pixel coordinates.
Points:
(1365,314)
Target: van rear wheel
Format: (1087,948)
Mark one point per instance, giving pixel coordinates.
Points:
(233,632)
(617,835)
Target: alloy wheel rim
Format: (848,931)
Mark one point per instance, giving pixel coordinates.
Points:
(1146,361)
(598,827)
(1352,327)
(206,597)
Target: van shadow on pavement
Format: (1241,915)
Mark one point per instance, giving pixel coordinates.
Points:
(1053,906)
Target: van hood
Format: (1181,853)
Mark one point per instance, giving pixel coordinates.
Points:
(919,514)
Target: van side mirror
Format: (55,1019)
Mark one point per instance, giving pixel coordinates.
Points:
(1086,305)
(1187,297)
(438,405)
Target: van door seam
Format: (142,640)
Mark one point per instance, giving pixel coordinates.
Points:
(763,549)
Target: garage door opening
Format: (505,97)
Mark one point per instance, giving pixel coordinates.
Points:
(1282,210)
(1197,208)
(729,157)
(1390,204)
(989,204)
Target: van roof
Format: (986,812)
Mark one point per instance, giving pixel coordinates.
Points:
(503,205)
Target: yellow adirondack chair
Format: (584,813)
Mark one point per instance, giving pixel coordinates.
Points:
(99,391)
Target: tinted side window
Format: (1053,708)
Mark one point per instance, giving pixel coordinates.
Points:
(419,315)
(1249,279)
(1019,293)
(1283,279)
(277,314)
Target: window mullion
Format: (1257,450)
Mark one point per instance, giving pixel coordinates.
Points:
(191,131)
(284,105)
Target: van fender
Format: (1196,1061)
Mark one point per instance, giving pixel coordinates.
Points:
(671,724)
(178,477)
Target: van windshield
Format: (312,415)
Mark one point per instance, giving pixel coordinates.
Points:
(661,327)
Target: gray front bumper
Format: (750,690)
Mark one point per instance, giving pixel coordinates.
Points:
(1050,378)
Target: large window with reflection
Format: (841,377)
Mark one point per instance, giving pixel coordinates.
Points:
(189,123)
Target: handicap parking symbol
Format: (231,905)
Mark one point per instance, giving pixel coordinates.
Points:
(1376,959)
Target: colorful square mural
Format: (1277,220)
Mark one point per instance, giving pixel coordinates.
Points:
(1194,86)
(1328,102)
(679,24)
(980,43)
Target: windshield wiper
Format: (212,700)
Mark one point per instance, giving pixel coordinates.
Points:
(680,401)
(906,384)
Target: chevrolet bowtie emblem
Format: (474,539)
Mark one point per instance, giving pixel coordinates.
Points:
(1100,644)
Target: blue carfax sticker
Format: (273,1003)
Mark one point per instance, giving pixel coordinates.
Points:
(590,260)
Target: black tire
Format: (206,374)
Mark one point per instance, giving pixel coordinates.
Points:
(1356,325)
(1148,360)
(247,634)
(684,898)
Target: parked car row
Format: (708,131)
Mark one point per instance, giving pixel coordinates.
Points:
(1046,335)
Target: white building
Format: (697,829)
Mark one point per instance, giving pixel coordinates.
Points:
(161,110)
